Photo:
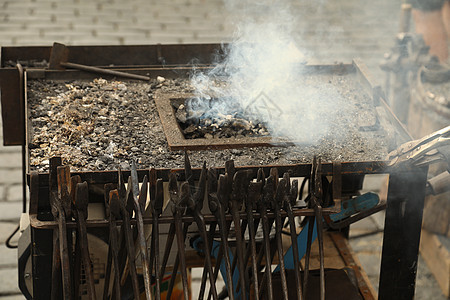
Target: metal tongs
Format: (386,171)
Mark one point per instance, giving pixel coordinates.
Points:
(425,151)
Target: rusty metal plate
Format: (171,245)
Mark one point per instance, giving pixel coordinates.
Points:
(130,55)
(12,106)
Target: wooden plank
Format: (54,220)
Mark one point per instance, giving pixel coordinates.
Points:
(332,257)
(351,260)
(437,258)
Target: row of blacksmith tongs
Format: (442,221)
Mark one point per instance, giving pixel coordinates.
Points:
(240,204)
(69,198)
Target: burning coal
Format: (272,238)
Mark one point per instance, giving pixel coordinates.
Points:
(262,74)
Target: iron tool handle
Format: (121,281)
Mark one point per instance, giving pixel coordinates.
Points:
(103,71)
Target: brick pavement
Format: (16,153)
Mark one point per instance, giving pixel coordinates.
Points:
(333,31)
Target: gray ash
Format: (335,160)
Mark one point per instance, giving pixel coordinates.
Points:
(102,125)
(201,118)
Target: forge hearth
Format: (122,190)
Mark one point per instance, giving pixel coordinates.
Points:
(183,136)
(204,119)
(101,124)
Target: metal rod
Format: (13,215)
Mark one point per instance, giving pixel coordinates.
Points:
(268,270)
(169,242)
(254,194)
(278,228)
(84,244)
(129,244)
(307,255)
(114,243)
(180,243)
(321,253)
(104,71)
(139,205)
(156,204)
(56,267)
(294,244)
(212,229)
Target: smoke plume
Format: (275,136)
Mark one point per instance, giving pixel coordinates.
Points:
(263,73)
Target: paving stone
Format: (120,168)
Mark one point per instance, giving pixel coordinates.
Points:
(137,41)
(426,285)
(10,211)
(3,189)
(366,225)
(167,40)
(8,278)
(90,40)
(11,159)
(12,26)
(10,175)
(6,228)
(8,257)
(368,244)
(371,263)
(14,193)
(13,297)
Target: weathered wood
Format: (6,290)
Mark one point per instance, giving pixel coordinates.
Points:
(437,257)
(436,214)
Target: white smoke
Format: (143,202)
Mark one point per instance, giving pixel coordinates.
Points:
(263,69)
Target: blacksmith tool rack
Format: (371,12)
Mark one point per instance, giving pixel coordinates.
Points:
(215,210)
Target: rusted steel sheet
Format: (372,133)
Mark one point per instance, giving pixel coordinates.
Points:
(121,55)
(12,107)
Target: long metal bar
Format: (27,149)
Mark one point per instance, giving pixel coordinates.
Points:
(294,244)
(126,207)
(255,189)
(168,247)
(211,232)
(56,267)
(319,221)
(239,250)
(139,205)
(104,71)
(56,257)
(405,201)
(268,193)
(108,188)
(317,201)
(221,199)
(76,261)
(308,255)
(182,258)
(277,202)
(156,203)
(82,200)
(65,262)
(114,243)
(178,205)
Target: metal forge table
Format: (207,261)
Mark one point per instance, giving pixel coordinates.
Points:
(406,188)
